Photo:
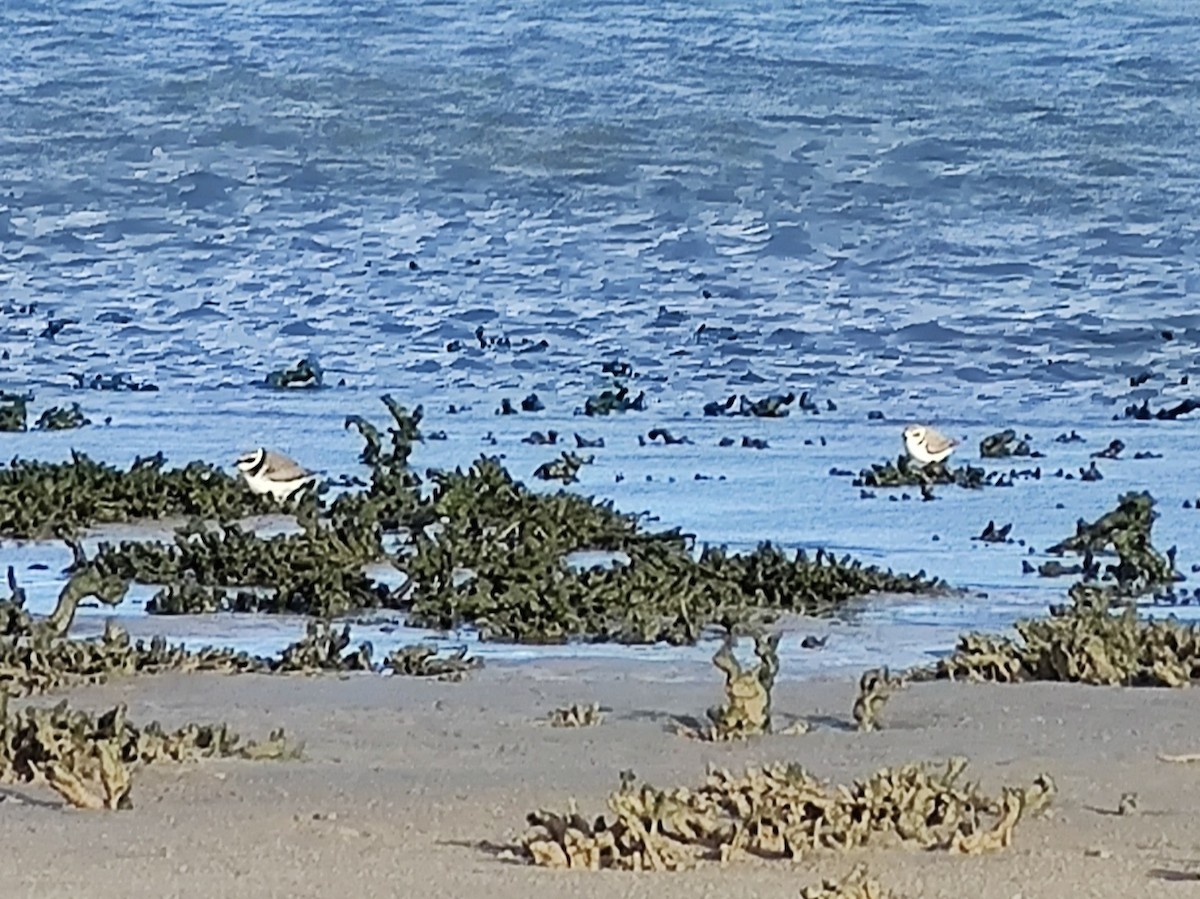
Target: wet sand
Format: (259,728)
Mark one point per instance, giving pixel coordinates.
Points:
(405,781)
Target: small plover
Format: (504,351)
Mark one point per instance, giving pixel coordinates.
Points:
(925,445)
(266,471)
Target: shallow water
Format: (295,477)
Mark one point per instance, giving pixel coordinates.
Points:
(979,219)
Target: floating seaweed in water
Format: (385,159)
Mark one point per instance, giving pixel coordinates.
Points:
(1166,413)
(875,688)
(616,400)
(1005,444)
(14,412)
(565,468)
(114,383)
(88,760)
(1126,530)
(306,373)
(904,472)
(780,812)
(64,418)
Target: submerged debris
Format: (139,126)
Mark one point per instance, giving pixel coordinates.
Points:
(565,468)
(779,812)
(577,715)
(855,885)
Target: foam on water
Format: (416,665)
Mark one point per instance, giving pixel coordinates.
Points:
(983,218)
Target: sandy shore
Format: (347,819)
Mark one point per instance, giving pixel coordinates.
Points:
(404,780)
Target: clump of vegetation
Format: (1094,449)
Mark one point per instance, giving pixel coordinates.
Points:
(1090,643)
(1140,568)
(615,400)
(62,418)
(89,760)
(306,373)
(855,885)
(565,468)
(875,688)
(577,715)
(746,711)
(904,472)
(781,812)
(47,499)
(14,412)
(422,660)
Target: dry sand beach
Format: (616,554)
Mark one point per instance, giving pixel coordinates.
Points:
(410,788)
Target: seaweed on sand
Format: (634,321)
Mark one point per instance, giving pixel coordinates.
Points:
(780,812)
(577,715)
(746,711)
(1089,643)
(89,759)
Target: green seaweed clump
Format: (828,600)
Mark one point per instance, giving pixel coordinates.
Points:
(1089,643)
(88,759)
(46,499)
(616,400)
(1003,445)
(14,412)
(781,812)
(565,468)
(62,418)
(1125,530)
(904,472)
(306,373)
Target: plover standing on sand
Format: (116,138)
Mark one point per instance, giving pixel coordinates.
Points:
(925,445)
(266,471)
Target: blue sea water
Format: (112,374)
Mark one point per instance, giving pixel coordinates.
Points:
(982,215)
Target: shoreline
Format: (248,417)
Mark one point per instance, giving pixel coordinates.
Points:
(405,781)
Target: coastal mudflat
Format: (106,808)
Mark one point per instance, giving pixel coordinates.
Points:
(415,788)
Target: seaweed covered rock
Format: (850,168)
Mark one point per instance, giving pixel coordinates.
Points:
(1088,643)
(1140,568)
(781,812)
(45,499)
(88,760)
